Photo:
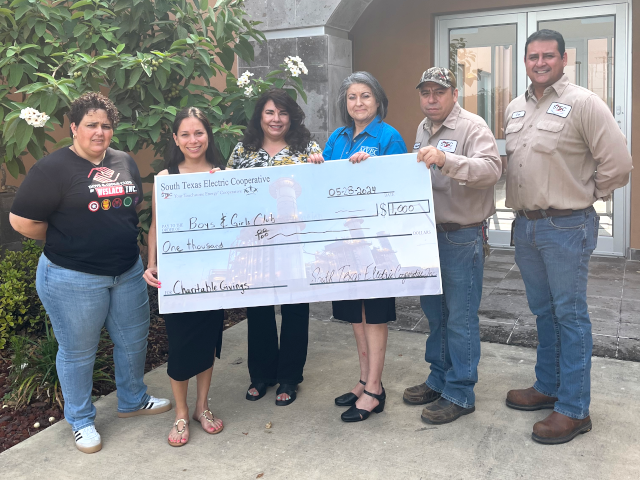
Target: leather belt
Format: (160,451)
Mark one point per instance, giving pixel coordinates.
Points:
(452,227)
(540,214)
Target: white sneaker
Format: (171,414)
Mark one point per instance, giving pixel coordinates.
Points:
(88,439)
(154,405)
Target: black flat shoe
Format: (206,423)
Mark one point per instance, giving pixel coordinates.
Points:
(348,399)
(355,414)
(290,390)
(261,388)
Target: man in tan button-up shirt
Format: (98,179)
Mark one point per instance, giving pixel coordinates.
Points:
(565,151)
(462,158)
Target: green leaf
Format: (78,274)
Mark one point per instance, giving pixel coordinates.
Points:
(135,76)
(120,78)
(88,14)
(34,149)
(41,27)
(15,74)
(132,140)
(155,92)
(154,133)
(204,55)
(48,103)
(153,119)
(162,77)
(13,168)
(7,13)
(23,135)
(120,47)
(81,3)
(79,29)
(65,142)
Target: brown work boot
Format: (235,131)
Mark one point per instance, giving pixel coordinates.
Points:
(558,428)
(529,399)
(419,395)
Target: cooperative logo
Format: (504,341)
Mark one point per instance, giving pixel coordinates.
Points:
(447,145)
(94,206)
(373,151)
(559,109)
(250,190)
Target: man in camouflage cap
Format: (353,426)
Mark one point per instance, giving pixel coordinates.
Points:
(462,157)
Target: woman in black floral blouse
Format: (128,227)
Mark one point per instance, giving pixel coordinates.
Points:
(276,135)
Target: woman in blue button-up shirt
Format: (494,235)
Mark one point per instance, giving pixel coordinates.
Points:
(363,105)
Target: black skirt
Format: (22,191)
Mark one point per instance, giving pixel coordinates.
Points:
(194,339)
(377,310)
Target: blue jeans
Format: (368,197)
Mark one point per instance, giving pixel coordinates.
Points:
(553,256)
(453,346)
(79,305)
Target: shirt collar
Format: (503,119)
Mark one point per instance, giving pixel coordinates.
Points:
(559,87)
(450,122)
(373,129)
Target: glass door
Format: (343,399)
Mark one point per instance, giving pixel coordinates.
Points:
(596,47)
(487,54)
(483,51)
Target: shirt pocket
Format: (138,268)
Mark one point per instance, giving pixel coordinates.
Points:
(548,136)
(511,137)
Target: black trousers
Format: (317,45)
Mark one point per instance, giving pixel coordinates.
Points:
(267,362)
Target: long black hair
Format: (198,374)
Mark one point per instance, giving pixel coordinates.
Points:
(176,157)
(298,136)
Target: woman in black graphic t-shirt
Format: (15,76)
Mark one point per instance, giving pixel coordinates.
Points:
(195,338)
(82,201)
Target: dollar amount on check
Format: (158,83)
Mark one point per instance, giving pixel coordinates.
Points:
(296,233)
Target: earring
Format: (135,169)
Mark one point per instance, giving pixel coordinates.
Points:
(74,136)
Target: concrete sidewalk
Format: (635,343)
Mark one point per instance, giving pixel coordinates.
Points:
(613,296)
(308,440)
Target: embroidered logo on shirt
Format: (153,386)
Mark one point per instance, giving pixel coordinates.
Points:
(373,151)
(447,145)
(127,201)
(559,109)
(106,204)
(94,206)
(117,203)
(518,114)
(416,145)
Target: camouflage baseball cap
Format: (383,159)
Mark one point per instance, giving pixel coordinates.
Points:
(439,75)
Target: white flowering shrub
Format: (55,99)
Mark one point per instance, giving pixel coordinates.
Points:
(153,57)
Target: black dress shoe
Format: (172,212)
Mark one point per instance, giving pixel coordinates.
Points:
(348,399)
(355,414)
(443,411)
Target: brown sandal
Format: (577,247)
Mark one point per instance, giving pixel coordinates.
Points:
(184,428)
(210,420)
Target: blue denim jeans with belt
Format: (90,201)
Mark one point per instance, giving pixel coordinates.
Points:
(453,346)
(79,305)
(553,256)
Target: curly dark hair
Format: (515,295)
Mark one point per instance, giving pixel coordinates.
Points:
(92,101)
(176,157)
(298,136)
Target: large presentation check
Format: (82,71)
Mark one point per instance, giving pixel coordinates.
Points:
(296,233)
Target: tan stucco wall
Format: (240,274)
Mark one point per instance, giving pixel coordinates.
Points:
(394,40)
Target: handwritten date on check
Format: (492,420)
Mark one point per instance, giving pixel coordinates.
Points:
(295,234)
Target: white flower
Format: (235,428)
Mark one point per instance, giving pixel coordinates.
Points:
(36,425)
(33,117)
(295,66)
(248,91)
(244,79)
(52,419)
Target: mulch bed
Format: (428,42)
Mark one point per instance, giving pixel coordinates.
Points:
(17,425)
